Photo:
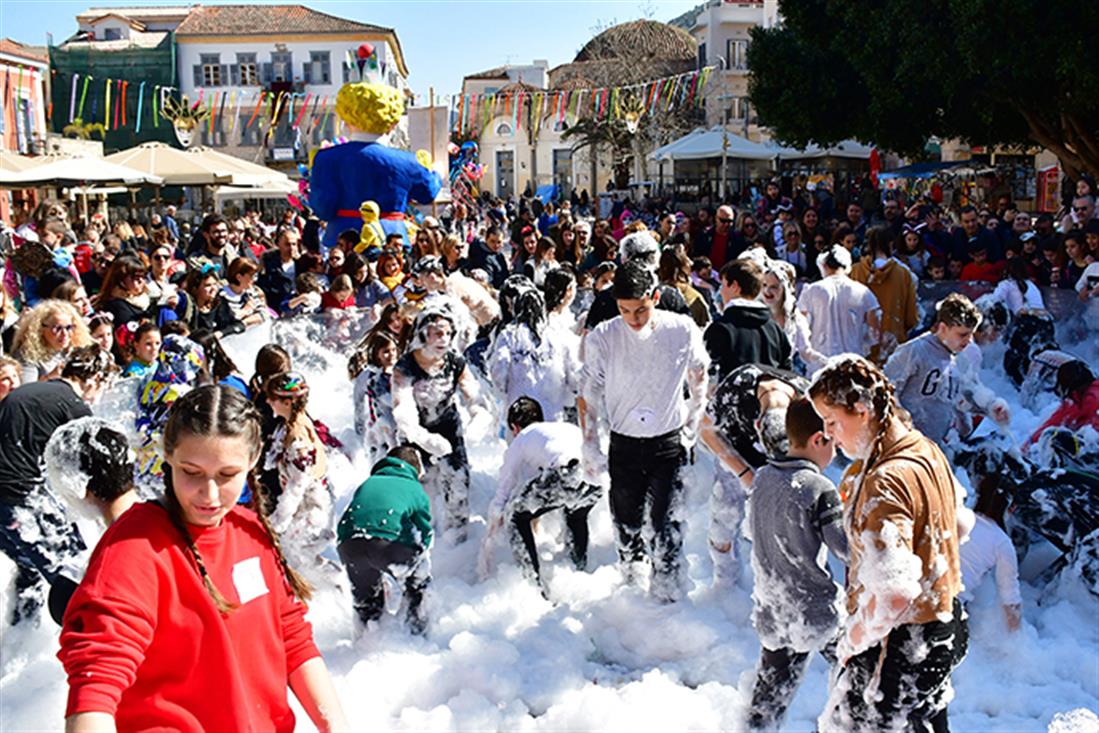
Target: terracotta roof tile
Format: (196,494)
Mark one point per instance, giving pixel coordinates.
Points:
(207,20)
(15,48)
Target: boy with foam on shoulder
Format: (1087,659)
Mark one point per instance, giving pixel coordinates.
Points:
(794,513)
(935,374)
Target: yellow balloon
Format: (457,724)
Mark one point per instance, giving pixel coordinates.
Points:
(424,157)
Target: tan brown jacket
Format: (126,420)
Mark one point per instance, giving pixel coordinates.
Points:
(913,487)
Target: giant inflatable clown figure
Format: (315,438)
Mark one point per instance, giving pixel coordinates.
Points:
(344,176)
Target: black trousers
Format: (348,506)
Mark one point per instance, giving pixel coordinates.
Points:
(367,559)
(647,478)
(777,680)
(911,692)
(557,487)
(41,541)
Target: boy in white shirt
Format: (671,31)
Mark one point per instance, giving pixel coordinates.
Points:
(635,369)
(541,473)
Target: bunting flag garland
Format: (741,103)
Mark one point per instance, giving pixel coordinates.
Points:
(474,112)
(156,106)
(255,112)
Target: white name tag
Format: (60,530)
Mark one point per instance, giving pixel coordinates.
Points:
(248,579)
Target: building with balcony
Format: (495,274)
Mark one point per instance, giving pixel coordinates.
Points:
(233,53)
(130,44)
(721,28)
(518,158)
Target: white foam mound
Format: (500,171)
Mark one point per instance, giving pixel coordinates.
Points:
(497,656)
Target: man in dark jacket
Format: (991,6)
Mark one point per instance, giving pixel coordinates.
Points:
(387,530)
(487,254)
(279,269)
(745,333)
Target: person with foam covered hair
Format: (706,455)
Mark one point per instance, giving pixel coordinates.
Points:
(642,248)
(936,373)
(844,316)
(365,169)
(905,519)
(426,384)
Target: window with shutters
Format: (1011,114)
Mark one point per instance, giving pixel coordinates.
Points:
(736,54)
(282,68)
(319,68)
(247,70)
(211,70)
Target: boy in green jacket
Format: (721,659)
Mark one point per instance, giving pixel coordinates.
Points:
(387,529)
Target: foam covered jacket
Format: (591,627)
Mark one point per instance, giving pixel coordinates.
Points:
(912,488)
(793,512)
(143,640)
(745,333)
(390,505)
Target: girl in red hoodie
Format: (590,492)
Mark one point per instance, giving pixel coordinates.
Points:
(1079,390)
(189,617)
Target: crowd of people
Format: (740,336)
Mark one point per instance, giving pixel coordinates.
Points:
(607,353)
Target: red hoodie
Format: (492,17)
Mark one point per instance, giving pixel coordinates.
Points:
(143,641)
(1074,414)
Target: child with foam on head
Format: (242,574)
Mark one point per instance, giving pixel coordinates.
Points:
(794,514)
(426,383)
(936,374)
(386,530)
(302,513)
(905,519)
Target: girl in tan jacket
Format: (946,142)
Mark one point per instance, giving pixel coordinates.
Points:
(895,288)
(905,631)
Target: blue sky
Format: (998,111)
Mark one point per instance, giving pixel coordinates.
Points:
(442,39)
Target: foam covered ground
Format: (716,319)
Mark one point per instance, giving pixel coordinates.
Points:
(497,656)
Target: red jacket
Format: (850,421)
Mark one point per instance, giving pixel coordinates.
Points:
(329,302)
(143,641)
(1074,414)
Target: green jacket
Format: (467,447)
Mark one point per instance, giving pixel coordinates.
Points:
(390,505)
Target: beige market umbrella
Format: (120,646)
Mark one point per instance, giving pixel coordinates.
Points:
(176,167)
(14,163)
(243,172)
(77,172)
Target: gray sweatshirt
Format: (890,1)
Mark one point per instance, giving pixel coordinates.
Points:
(936,386)
(795,516)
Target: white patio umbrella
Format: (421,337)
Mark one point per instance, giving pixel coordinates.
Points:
(77,172)
(174,166)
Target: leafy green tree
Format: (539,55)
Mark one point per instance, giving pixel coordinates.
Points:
(1010,72)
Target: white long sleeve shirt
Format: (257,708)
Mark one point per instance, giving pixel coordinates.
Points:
(635,379)
(989,548)
(538,446)
(1008,293)
(837,307)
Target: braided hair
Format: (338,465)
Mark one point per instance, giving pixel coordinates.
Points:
(852,381)
(220,411)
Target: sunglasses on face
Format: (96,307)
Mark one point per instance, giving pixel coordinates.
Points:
(1079,209)
(162,258)
(723,220)
(59,329)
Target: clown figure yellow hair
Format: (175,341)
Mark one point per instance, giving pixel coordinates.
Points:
(369,107)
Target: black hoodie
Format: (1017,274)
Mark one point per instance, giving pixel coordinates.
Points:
(746,334)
